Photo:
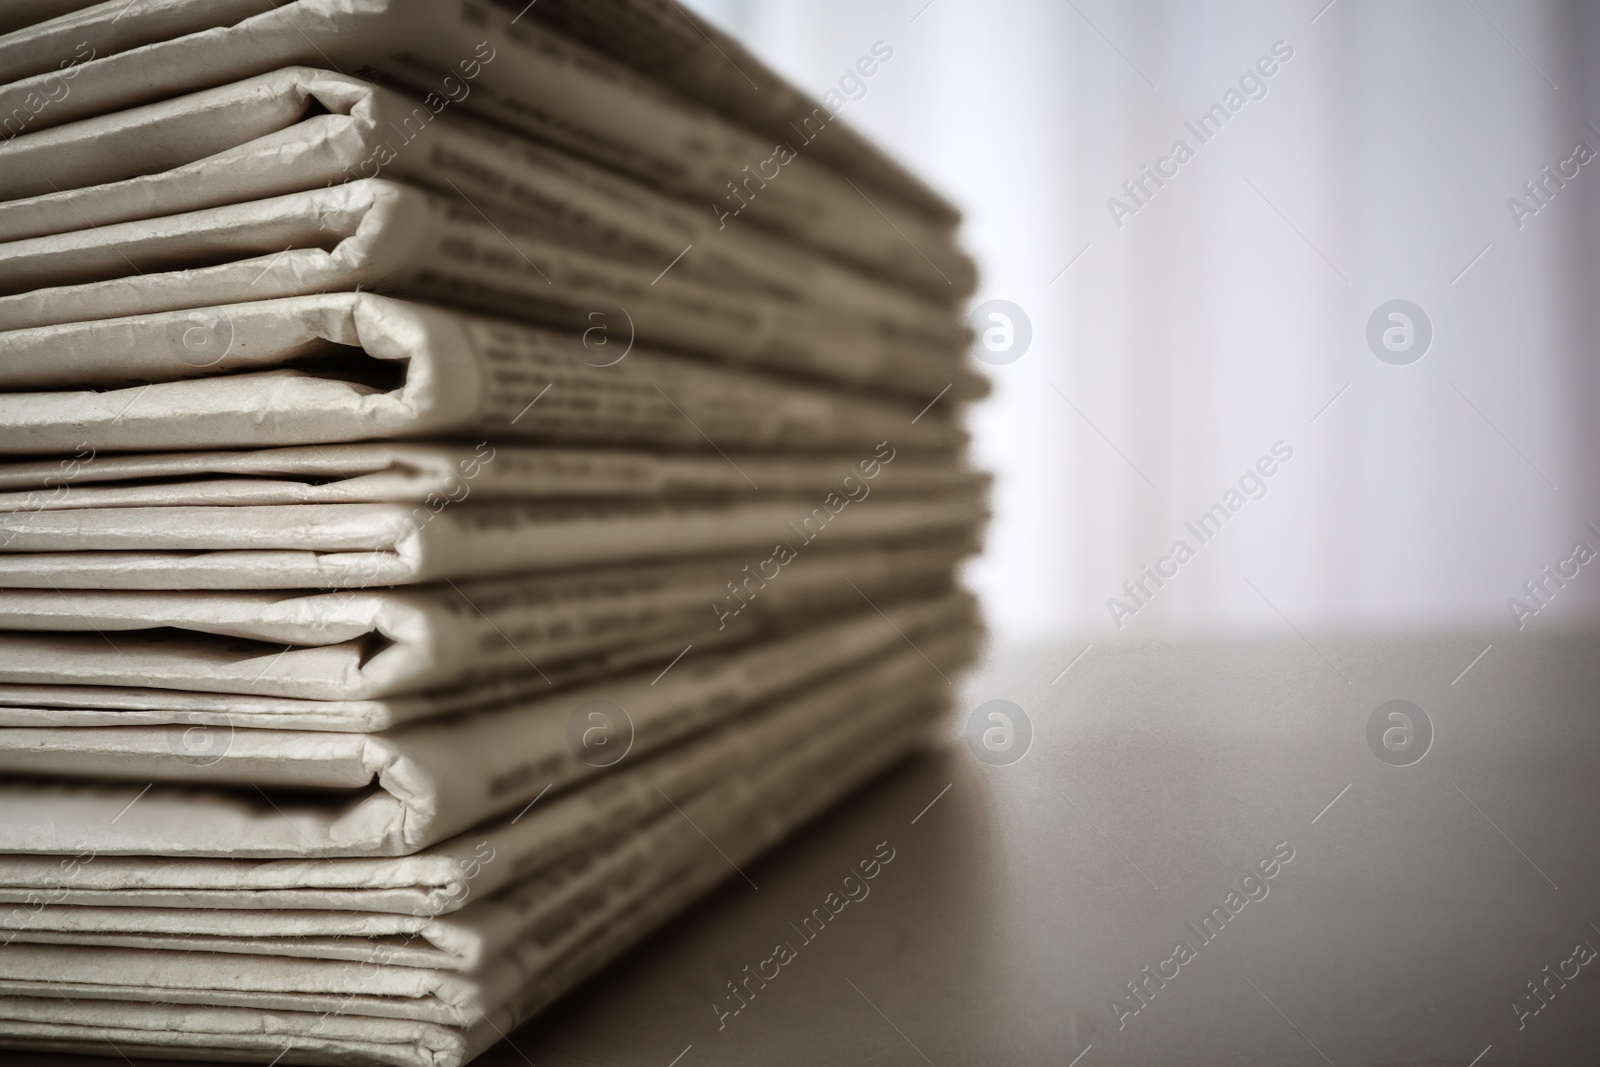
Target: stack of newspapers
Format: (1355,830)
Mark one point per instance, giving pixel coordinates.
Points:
(476,476)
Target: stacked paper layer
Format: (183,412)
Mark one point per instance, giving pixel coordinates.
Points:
(469,491)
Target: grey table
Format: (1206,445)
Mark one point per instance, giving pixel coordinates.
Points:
(1023,899)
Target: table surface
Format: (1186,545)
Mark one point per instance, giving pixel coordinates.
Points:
(1023,899)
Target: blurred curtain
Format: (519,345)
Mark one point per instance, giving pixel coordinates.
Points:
(1175,343)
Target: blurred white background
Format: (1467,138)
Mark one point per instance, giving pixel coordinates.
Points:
(1171,351)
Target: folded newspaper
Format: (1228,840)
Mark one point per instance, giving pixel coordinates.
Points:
(439,475)
(305,546)
(441,879)
(378,235)
(485,59)
(398,791)
(562,846)
(349,1024)
(301,129)
(342,647)
(476,475)
(355,366)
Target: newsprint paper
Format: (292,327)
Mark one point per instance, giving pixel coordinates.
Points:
(301,129)
(356,366)
(392,793)
(378,1014)
(380,235)
(344,648)
(394,396)
(482,58)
